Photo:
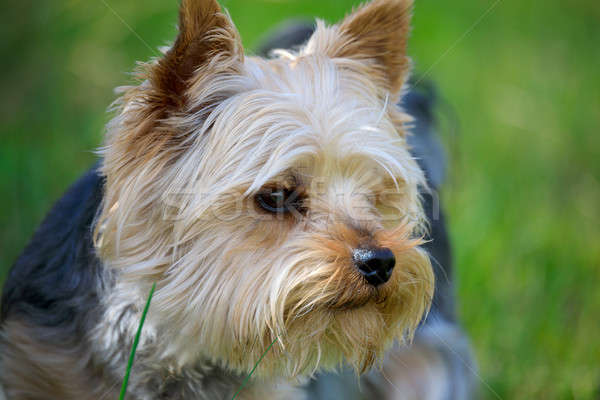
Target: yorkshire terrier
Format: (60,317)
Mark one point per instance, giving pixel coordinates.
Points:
(276,205)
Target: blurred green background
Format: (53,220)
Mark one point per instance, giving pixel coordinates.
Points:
(521,78)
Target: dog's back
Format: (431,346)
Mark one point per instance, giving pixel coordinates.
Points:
(55,279)
(51,301)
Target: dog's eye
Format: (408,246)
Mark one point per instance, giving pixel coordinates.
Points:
(280,201)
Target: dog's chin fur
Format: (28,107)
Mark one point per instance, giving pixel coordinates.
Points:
(317,315)
(186,155)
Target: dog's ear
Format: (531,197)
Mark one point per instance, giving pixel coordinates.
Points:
(208,45)
(376,33)
(207,40)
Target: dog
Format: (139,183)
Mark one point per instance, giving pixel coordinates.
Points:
(277,207)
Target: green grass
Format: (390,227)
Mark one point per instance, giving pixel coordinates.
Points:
(136,341)
(523,197)
(247,378)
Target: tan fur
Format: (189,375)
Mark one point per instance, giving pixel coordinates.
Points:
(204,132)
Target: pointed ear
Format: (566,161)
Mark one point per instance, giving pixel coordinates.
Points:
(207,39)
(376,33)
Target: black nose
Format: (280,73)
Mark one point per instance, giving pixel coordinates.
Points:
(375,264)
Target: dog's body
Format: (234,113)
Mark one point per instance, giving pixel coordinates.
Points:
(308,280)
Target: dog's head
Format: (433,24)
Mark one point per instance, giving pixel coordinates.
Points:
(270,200)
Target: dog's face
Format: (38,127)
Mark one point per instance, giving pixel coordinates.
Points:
(270,199)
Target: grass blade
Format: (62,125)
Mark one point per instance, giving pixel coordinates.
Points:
(253,369)
(135,344)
